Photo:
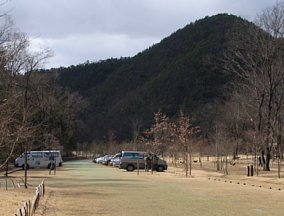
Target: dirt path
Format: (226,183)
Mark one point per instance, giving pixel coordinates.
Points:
(85,188)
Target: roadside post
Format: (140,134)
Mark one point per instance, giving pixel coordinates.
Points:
(137,167)
(250,170)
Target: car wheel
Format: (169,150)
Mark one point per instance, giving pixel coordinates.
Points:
(160,168)
(130,168)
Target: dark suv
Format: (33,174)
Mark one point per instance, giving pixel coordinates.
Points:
(131,160)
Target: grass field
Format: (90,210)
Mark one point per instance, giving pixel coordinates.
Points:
(85,188)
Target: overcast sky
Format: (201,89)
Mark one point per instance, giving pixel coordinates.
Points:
(81,30)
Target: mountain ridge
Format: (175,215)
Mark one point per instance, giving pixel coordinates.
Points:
(182,72)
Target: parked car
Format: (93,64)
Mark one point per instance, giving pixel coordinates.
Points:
(131,160)
(99,160)
(106,159)
(115,160)
(94,159)
(39,159)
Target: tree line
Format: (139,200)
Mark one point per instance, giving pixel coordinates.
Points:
(251,119)
(38,111)
(257,103)
(35,112)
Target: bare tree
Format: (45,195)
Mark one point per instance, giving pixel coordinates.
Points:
(11,44)
(160,133)
(186,133)
(17,63)
(271,20)
(136,127)
(257,60)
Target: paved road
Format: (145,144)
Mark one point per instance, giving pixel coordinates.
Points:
(84,188)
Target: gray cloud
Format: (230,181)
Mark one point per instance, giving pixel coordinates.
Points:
(80,30)
(77,49)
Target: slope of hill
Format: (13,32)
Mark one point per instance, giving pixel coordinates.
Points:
(183,71)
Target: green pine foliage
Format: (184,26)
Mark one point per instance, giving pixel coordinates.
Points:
(182,72)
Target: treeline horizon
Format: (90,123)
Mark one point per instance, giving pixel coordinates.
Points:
(222,72)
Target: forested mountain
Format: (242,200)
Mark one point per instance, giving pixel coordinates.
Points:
(185,71)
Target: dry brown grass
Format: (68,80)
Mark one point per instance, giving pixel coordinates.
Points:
(84,188)
(13,198)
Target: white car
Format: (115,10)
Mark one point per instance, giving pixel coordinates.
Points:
(99,160)
(115,160)
(39,159)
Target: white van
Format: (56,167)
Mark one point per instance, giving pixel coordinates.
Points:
(39,159)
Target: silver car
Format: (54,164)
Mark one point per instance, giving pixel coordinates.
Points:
(131,160)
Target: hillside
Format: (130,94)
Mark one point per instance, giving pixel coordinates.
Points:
(183,71)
